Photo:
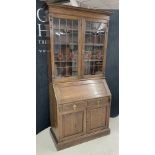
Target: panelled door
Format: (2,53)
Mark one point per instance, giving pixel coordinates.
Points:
(72,124)
(97,118)
(72,120)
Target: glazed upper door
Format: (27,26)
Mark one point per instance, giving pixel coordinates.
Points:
(94,47)
(65,46)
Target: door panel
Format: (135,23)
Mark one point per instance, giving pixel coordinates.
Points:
(96,118)
(93,48)
(65,46)
(73,124)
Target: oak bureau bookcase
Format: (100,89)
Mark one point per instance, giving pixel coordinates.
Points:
(79,95)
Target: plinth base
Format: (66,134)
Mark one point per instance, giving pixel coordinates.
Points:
(78,140)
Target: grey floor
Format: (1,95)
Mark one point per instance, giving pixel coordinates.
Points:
(107,145)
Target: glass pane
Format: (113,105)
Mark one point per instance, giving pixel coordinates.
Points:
(94,47)
(65,47)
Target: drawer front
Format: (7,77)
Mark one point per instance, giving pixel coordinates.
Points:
(98,102)
(70,107)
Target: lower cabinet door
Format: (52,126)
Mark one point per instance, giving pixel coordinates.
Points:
(73,124)
(96,118)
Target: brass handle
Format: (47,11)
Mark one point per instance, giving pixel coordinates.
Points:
(74,107)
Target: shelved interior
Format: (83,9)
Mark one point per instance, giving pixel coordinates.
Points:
(94,47)
(66,47)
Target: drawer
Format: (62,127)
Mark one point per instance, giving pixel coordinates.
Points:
(76,106)
(98,102)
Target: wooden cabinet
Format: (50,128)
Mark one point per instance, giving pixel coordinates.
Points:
(79,95)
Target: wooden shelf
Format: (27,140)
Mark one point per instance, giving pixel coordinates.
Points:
(64,30)
(65,61)
(93,66)
(94,31)
(92,44)
(67,67)
(92,60)
(66,44)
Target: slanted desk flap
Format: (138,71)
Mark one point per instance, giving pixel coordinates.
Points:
(81,90)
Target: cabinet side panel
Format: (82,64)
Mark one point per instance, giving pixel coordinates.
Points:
(53,111)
